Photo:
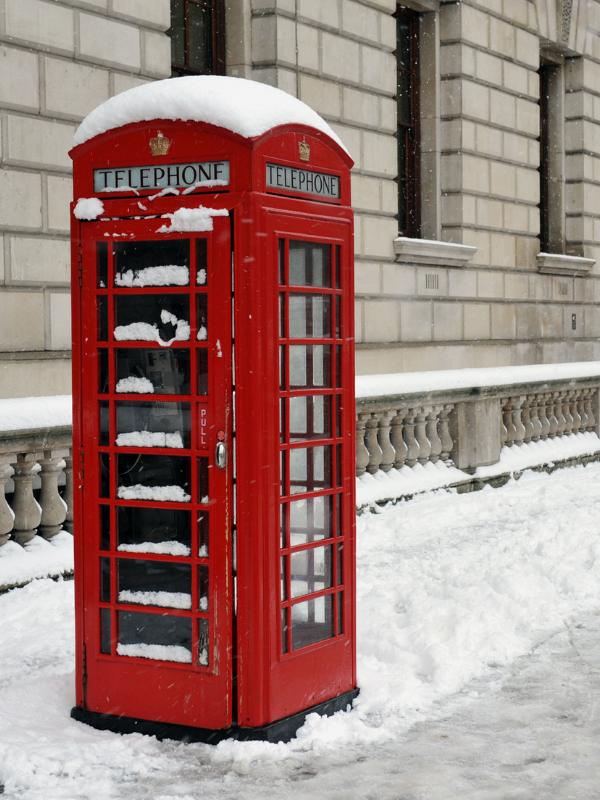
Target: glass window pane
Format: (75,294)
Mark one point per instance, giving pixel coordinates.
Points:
(202,371)
(102,316)
(201,262)
(141,371)
(102,371)
(283,578)
(153,425)
(155,583)
(310,417)
(202,317)
(310,366)
(105,580)
(311,570)
(203,588)
(105,527)
(162,318)
(311,520)
(203,529)
(146,477)
(199,32)
(310,469)
(310,316)
(103,466)
(203,643)
(156,636)
(165,262)
(105,634)
(203,487)
(103,423)
(102,264)
(312,621)
(310,264)
(154,530)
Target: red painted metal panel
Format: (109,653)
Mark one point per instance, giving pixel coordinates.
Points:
(194,693)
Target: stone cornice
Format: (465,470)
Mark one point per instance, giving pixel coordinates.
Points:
(433,252)
(559,264)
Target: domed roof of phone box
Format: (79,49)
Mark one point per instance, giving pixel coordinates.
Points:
(245,107)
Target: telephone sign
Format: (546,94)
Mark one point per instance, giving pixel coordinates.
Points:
(213,382)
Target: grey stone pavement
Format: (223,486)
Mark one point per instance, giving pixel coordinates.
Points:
(530,731)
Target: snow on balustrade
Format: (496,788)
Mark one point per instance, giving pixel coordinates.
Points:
(422,431)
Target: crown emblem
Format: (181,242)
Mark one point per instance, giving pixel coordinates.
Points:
(304,150)
(159,144)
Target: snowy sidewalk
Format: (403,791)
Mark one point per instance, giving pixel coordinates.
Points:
(476,681)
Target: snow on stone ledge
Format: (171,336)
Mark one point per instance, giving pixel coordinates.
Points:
(23,413)
(39,558)
(88,208)
(245,107)
(450,379)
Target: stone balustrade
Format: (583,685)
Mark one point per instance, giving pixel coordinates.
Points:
(465,423)
(36,483)
(459,418)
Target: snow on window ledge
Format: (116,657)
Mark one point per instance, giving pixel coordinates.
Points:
(560,264)
(432,251)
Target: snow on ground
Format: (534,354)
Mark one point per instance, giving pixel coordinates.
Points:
(39,558)
(452,589)
(407,481)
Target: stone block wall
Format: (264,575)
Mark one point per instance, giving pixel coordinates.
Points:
(480,159)
(58,59)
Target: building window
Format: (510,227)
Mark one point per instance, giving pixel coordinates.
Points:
(552,210)
(407,90)
(198,37)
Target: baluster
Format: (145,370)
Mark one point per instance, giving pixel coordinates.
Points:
(432,433)
(383,437)
(447,443)
(543,416)
(561,422)
(68,523)
(412,446)
(534,416)
(552,418)
(26,509)
(362,454)
(375,454)
(574,395)
(421,436)
(54,508)
(589,407)
(6,513)
(528,425)
(397,437)
(581,410)
(516,405)
(509,425)
(565,403)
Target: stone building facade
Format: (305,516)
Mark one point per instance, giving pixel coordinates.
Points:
(470,289)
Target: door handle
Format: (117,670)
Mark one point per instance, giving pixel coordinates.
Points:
(221,455)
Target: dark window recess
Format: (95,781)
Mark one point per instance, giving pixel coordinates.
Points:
(551,213)
(198,37)
(407,90)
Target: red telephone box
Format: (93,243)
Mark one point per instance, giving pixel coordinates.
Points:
(213,383)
